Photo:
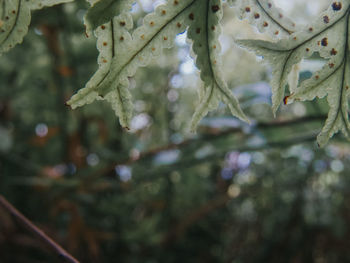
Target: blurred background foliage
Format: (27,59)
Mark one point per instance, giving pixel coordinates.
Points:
(232,192)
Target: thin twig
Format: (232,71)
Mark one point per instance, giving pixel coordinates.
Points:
(63,254)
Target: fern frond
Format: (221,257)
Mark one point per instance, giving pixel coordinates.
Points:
(329,36)
(204,31)
(15,19)
(122,53)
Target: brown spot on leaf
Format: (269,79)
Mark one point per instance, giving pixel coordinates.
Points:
(285,100)
(215,8)
(191,16)
(324,42)
(326,19)
(331,65)
(122,23)
(336,6)
(247,9)
(333,52)
(256,16)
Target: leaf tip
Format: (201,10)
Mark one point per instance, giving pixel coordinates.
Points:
(288,99)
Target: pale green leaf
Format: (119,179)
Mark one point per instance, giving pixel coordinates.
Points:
(122,53)
(103,11)
(265,16)
(15,19)
(329,36)
(204,31)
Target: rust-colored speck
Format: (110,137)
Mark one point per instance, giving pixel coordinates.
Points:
(215,8)
(324,42)
(333,52)
(336,6)
(326,19)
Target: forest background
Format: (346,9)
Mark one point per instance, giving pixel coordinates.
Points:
(232,192)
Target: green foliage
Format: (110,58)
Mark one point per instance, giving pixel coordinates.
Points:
(232,192)
(328,36)
(124,49)
(15,19)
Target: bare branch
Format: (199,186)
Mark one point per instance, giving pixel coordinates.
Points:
(62,254)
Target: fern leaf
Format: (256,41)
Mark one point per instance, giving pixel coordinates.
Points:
(102,11)
(204,31)
(265,16)
(329,36)
(15,19)
(122,53)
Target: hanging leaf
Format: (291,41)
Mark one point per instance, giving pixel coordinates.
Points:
(121,54)
(15,19)
(329,36)
(205,30)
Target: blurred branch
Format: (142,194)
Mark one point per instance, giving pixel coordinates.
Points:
(63,254)
(214,134)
